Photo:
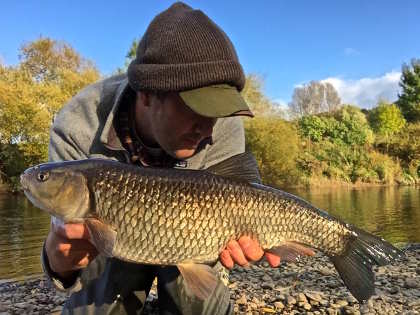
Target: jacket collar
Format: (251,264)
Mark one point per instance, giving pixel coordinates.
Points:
(109,135)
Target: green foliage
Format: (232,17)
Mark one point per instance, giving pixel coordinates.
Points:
(406,147)
(31,93)
(386,119)
(347,125)
(354,128)
(409,100)
(274,143)
(130,55)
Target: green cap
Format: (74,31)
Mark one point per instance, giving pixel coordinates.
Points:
(216,101)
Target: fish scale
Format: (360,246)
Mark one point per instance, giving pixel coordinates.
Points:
(178,217)
(247,209)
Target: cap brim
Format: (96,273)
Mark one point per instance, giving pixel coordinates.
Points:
(216,101)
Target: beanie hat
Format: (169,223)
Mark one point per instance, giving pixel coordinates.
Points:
(183,49)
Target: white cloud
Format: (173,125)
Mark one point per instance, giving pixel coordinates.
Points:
(351,52)
(366,92)
(281,103)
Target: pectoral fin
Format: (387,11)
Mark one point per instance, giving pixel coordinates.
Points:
(102,236)
(201,279)
(290,251)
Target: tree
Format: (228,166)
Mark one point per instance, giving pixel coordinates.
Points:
(258,102)
(129,56)
(386,119)
(275,145)
(352,128)
(31,93)
(409,99)
(314,98)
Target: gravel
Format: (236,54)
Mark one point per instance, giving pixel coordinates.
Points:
(309,286)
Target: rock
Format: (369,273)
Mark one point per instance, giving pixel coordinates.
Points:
(307,306)
(20,305)
(326,271)
(302,298)
(332,311)
(341,303)
(314,296)
(278,305)
(290,300)
(253,305)
(350,310)
(242,300)
(411,283)
(3,307)
(394,290)
(267,285)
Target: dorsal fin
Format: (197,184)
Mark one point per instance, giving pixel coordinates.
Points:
(241,167)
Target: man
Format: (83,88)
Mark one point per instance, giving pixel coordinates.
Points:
(178,106)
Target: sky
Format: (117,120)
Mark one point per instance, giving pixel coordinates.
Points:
(358,46)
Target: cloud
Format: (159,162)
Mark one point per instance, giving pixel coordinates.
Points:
(366,92)
(351,52)
(280,102)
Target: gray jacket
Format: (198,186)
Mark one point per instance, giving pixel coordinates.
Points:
(84,129)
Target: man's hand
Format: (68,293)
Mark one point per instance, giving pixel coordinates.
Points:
(68,248)
(245,250)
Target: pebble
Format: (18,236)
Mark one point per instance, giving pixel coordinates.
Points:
(309,286)
(278,305)
(242,300)
(302,298)
(290,300)
(411,283)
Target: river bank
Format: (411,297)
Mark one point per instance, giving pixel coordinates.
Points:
(310,286)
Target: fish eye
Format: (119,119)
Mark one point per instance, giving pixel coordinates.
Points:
(43,176)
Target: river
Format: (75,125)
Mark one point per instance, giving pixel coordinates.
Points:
(391,212)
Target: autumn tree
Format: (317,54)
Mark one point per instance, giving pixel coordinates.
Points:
(314,98)
(260,104)
(31,93)
(409,99)
(275,145)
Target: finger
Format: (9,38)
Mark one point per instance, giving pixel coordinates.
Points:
(72,230)
(65,245)
(226,259)
(272,259)
(236,253)
(77,260)
(82,260)
(251,248)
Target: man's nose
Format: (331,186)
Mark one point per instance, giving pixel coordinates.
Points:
(205,126)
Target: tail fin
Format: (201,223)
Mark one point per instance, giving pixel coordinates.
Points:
(355,266)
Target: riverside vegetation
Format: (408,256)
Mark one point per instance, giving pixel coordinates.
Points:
(317,141)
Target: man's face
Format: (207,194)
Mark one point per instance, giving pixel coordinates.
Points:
(174,126)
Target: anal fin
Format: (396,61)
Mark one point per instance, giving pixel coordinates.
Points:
(290,251)
(102,236)
(201,279)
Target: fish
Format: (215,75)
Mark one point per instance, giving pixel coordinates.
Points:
(185,218)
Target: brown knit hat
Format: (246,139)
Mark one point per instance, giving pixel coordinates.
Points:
(184,50)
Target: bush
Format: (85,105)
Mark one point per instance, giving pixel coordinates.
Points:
(274,143)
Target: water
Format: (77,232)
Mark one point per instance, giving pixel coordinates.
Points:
(22,232)
(391,212)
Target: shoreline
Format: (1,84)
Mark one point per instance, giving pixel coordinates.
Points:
(6,189)
(309,286)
